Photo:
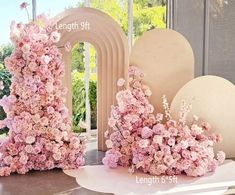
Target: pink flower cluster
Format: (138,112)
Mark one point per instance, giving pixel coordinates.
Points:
(157,144)
(40,135)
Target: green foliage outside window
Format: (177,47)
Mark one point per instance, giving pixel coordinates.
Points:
(78,100)
(5,51)
(5,77)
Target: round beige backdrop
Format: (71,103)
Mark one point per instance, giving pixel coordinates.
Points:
(167,60)
(213,101)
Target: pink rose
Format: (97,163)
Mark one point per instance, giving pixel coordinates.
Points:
(159,117)
(57,156)
(111,122)
(158,129)
(158,139)
(168,160)
(30,139)
(109,143)
(23,159)
(80,161)
(158,155)
(44,121)
(146,132)
(161,169)
(42,158)
(50,110)
(7,160)
(49,164)
(26,48)
(55,37)
(143,143)
(33,66)
(120,82)
(220,157)
(68,47)
(126,133)
(171,141)
(29,149)
(45,59)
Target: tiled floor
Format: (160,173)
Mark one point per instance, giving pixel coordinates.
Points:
(53,182)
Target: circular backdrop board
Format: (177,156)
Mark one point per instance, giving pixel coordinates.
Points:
(167,60)
(213,100)
(118,181)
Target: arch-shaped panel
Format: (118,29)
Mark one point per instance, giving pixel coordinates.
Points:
(167,59)
(112,50)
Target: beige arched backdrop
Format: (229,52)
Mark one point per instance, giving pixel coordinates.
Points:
(212,100)
(167,60)
(112,50)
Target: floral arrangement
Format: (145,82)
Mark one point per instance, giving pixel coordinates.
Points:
(40,135)
(157,144)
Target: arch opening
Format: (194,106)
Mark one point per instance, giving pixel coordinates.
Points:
(112,50)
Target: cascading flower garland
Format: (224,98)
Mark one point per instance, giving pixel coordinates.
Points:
(40,135)
(143,141)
